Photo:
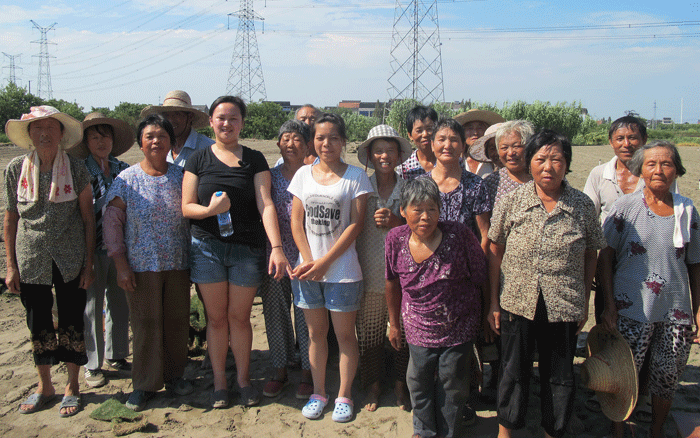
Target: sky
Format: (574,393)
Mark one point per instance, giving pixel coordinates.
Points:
(612,57)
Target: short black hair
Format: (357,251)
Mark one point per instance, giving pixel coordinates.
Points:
(156,120)
(548,137)
(228,99)
(334,119)
(452,124)
(628,122)
(420,113)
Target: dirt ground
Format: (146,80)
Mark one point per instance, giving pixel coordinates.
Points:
(191,416)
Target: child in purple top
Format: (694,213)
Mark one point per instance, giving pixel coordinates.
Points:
(435,272)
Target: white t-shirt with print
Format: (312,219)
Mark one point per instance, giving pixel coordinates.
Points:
(327,215)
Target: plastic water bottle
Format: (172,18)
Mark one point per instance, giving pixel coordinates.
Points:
(225,226)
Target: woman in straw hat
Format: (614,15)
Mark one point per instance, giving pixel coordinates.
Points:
(651,274)
(228,177)
(148,238)
(103,140)
(50,241)
(383,150)
(544,241)
(475,123)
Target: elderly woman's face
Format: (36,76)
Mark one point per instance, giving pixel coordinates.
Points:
(155,143)
(658,169)
(384,155)
(511,152)
(46,134)
(292,147)
(548,167)
(447,146)
(422,218)
(474,130)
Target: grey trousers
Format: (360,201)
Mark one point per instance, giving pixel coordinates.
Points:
(112,340)
(438,381)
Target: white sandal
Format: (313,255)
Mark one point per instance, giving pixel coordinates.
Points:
(343,410)
(314,407)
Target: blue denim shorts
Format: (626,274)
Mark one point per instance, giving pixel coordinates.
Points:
(214,261)
(336,297)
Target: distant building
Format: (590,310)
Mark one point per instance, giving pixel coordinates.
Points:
(286,105)
(667,121)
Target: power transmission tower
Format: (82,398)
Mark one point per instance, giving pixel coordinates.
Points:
(246,76)
(416,60)
(12,67)
(44,68)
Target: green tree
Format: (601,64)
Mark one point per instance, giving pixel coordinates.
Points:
(263,120)
(72,109)
(129,112)
(15,101)
(397,115)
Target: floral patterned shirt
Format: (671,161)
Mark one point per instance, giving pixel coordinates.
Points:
(469,199)
(156,235)
(283,204)
(440,297)
(47,230)
(545,252)
(499,184)
(650,283)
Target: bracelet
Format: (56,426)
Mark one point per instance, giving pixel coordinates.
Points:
(278,246)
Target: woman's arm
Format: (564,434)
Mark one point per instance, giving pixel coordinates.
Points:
(113,230)
(483,222)
(606,263)
(10,236)
(392,291)
(694,277)
(299,234)
(87,273)
(278,261)
(318,268)
(589,267)
(191,209)
(495,257)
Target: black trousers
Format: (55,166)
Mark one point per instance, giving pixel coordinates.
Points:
(556,344)
(51,346)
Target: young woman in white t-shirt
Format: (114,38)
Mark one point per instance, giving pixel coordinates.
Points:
(329,204)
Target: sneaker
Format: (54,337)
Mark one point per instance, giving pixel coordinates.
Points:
(117,365)
(95,378)
(180,386)
(137,400)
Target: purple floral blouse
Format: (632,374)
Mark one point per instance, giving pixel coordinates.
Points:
(469,199)
(441,299)
(283,204)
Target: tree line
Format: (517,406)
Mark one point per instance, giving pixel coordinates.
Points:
(264,118)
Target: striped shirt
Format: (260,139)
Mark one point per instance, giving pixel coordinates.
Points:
(100,185)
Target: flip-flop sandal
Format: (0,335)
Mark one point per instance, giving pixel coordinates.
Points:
(343,410)
(69,401)
(37,400)
(314,407)
(220,399)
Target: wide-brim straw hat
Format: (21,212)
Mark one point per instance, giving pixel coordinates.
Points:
(178,100)
(18,130)
(610,372)
(123,135)
(488,117)
(383,131)
(478,149)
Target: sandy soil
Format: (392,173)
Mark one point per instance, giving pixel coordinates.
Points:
(191,416)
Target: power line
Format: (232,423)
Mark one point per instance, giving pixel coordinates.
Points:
(416,59)
(12,79)
(44,68)
(246,76)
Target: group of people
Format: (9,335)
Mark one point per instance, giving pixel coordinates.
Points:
(474,238)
